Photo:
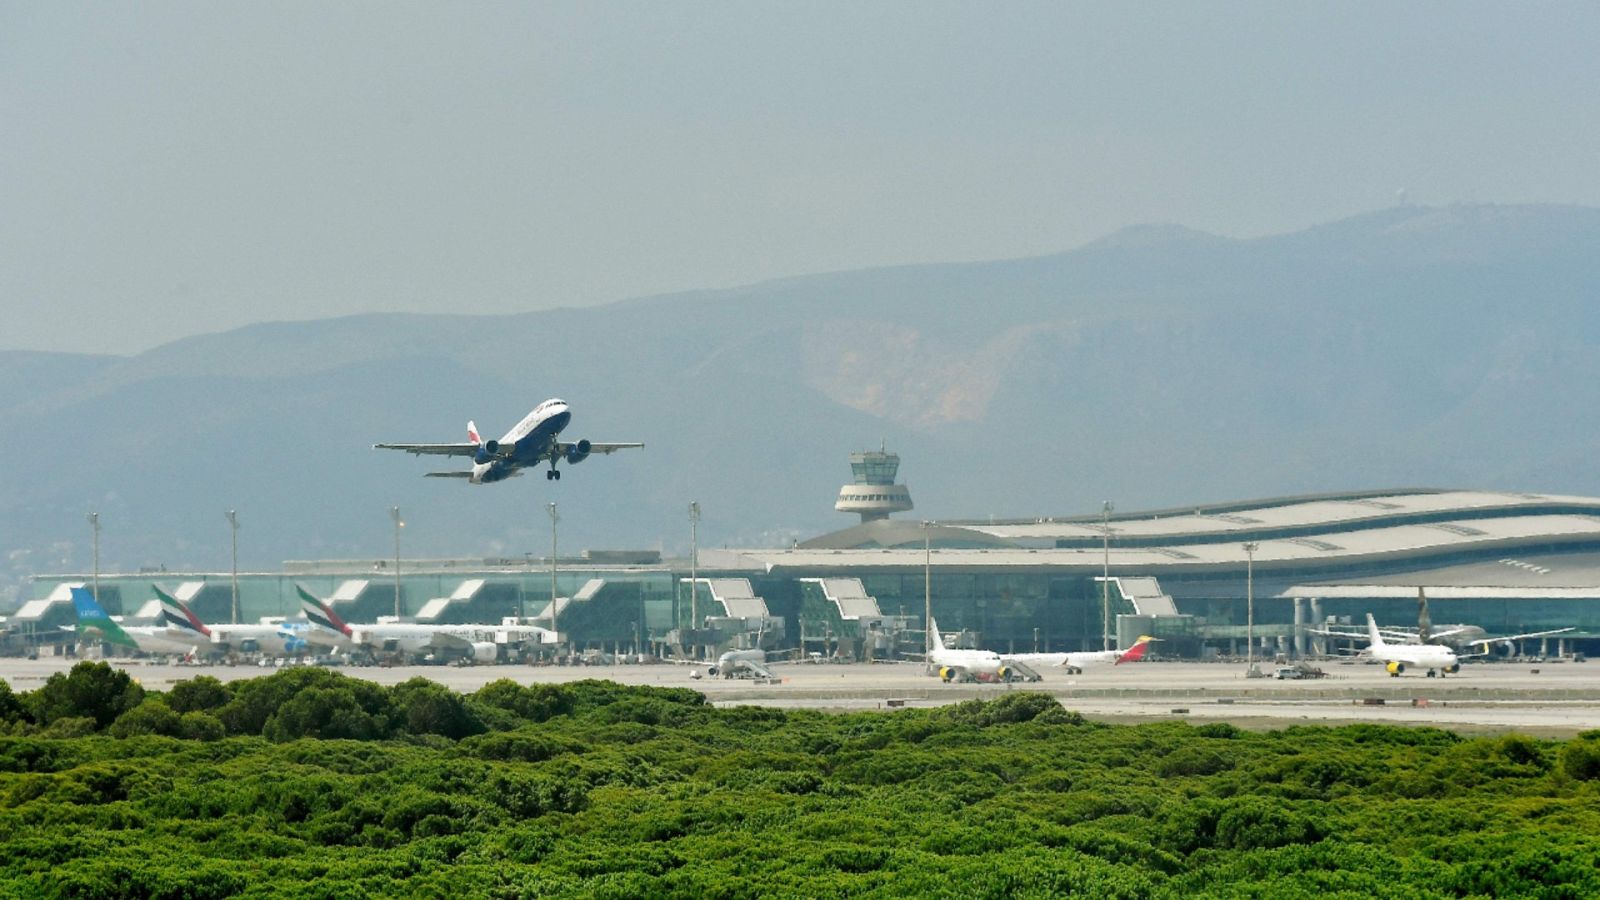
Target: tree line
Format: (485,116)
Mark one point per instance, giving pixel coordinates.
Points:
(309,783)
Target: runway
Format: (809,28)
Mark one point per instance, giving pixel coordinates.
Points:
(1553,699)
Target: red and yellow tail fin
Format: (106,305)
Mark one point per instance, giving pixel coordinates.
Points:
(1135,652)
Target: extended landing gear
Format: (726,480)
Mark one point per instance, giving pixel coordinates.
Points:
(553,475)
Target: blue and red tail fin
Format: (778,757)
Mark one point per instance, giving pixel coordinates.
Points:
(179,616)
(320,614)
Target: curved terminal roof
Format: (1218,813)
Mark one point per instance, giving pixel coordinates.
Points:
(1249,521)
(1323,532)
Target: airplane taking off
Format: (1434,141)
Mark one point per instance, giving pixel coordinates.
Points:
(1437,659)
(1076,661)
(536,439)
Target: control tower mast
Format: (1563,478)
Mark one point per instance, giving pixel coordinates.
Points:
(874,495)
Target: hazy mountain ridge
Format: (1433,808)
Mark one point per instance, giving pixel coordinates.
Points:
(1158,366)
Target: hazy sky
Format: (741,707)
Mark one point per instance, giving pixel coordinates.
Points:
(174,168)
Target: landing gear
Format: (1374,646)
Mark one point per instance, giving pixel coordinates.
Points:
(553,475)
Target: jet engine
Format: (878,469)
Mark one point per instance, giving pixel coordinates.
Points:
(485,651)
(1007,673)
(1395,667)
(1452,669)
(711,671)
(949,673)
(489,451)
(577,453)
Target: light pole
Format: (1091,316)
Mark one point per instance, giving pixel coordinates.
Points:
(927,594)
(1105,575)
(233,524)
(399,523)
(94,525)
(1250,605)
(694,569)
(554,518)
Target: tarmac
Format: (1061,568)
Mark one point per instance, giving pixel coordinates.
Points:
(1552,698)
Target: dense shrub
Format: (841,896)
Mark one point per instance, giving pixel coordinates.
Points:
(92,690)
(601,790)
(427,707)
(201,693)
(153,716)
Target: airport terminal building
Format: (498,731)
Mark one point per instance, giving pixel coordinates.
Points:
(1204,579)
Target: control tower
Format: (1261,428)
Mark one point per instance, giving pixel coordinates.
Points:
(874,495)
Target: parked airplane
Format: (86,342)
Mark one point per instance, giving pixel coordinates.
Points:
(1075,662)
(1466,640)
(280,639)
(1437,659)
(153,639)
(534,440)
(964,665)
(327,629)
(478,643)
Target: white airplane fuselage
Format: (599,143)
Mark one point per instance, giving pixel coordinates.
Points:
(280,639)
(160,640)
(1396,658)
(530,442)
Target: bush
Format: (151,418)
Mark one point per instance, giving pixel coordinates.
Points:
(200,726)
(324,712)
(92,690)
(153,716)
(1580,759)
(258,700)
(201,693)
(11,708)
(427,707)
(535,703)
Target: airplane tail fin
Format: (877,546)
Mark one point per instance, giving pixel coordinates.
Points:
(1135,652)
(319,614)
(178,615)
(935,642)
(472,433)
(92,616)
(1372,632)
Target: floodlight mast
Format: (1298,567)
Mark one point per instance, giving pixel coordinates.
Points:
(233,525)
(1250,548)
(555,518)
(1105,575)
(399,523)
(94,526)
(694,562)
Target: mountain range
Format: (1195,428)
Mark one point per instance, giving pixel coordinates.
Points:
(1157,367)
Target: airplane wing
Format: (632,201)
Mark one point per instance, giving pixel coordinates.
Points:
(447,474)
(433,449)
(1035,659)
(1518,637)
(596,447)
(445,640)
(753,667)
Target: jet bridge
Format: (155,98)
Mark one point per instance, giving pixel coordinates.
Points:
(734,618)
(439,609)
(839,617)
